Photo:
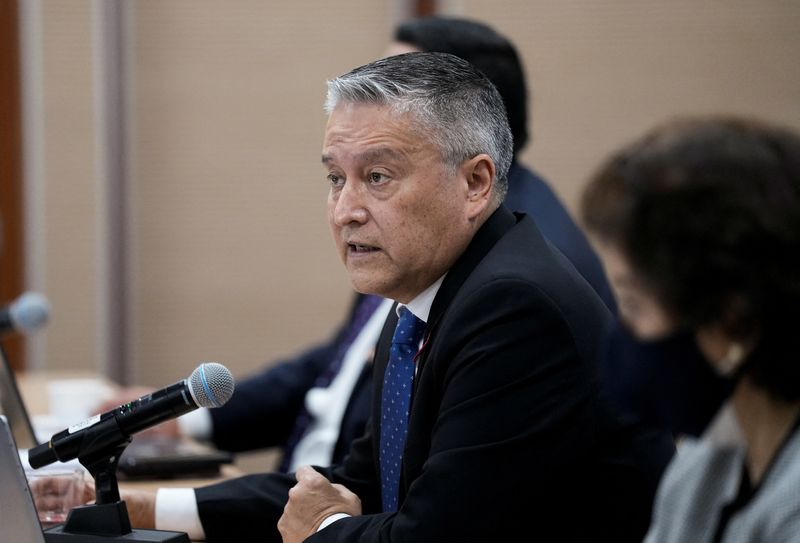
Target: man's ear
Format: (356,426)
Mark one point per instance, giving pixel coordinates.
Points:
(479,171)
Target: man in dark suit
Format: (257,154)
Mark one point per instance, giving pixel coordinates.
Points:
(281,415)
(504,432)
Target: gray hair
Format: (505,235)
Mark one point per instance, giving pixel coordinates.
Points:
(458,107)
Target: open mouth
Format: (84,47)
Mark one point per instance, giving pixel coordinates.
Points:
(360,249)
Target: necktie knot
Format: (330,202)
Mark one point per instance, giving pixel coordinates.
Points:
(409,329)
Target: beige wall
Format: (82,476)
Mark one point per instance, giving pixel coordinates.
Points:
(602,72)
(230,254)
(68,230)
(233,257)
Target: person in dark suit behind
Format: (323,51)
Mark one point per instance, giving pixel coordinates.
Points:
(486,417)
(290,415)
(495,55)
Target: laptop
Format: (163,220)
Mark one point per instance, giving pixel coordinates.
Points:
(19,521)
(13,408)
(151,457)
(162,457)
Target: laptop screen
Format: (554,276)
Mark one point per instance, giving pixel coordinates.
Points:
(12,406)
(19,521)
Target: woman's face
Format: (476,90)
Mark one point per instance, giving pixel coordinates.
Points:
(644,316)
(638,308)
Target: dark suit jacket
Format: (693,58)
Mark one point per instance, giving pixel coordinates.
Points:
(507,434)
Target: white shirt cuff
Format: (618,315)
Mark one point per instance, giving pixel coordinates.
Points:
(331,519)
(176,510)
(196,424)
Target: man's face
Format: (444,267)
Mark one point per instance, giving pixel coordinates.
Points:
(398,217)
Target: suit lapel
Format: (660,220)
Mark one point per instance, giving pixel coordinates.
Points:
(500,222)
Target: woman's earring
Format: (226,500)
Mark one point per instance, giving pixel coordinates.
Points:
(732,359)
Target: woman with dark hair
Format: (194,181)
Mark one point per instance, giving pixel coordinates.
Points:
(698,224)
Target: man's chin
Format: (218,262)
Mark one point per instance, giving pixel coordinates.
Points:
(368,290)
(365,285)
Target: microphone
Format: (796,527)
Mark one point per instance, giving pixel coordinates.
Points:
(210,385)
(26,314)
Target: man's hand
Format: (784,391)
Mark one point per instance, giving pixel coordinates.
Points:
(312,500)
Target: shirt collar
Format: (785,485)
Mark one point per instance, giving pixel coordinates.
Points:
(724,429)
(420,306)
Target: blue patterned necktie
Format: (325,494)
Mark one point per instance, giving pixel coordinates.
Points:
(395,403)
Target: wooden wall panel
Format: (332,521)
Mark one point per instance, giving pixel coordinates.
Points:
(12,258)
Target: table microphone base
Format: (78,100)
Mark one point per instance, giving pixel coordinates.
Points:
(106,522)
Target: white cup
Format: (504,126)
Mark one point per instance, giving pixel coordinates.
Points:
(74,400)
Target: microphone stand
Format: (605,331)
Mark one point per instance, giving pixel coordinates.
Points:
(106,519)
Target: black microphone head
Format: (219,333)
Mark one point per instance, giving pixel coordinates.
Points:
(29,312)
(211,384)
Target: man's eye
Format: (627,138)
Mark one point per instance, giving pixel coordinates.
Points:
(335,180)
(377,177)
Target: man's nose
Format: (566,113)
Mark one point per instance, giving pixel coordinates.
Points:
(349,205)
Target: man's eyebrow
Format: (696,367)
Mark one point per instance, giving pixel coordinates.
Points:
(371,155)
(380,153)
